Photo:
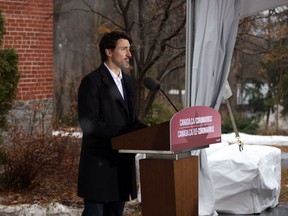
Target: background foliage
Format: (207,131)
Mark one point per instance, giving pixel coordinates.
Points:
(259,70)
(9,76)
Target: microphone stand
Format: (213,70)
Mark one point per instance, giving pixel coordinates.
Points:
(168,99)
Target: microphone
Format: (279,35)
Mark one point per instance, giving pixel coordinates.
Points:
(154,85)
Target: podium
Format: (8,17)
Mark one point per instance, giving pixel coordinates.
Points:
(169,174)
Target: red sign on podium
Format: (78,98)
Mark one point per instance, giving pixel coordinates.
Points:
(194,127)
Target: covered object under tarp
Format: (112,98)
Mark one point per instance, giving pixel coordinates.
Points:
(246,182)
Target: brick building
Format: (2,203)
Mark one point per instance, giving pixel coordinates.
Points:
(29,29)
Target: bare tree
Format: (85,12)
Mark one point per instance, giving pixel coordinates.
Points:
(157,28)
(74,54)
(261,48)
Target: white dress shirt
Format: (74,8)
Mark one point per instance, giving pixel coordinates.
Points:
(117,80)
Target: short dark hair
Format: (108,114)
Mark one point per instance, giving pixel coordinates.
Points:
(109,41)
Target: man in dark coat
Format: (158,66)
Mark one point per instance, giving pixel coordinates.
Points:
(106,109)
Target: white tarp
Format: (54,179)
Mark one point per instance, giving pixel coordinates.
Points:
(246,182)
(207,66)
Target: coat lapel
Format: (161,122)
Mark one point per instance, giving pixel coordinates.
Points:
(108,80)
(128,96)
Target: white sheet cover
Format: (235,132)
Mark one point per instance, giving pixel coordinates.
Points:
(246,182)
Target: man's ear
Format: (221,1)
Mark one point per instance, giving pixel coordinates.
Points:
(108,52)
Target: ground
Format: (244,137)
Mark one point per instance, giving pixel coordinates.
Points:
(57,187)
(61,187)
(284,180)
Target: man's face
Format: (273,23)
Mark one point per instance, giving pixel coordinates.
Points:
(121,54)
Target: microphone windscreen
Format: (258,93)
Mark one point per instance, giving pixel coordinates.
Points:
(151,84)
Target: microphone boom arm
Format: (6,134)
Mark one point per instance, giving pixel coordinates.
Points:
(168,99)
(154,85)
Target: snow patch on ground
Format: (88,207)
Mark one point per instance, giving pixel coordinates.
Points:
(250,139)
(39,210)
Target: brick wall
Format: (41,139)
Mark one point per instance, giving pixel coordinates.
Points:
(29,30)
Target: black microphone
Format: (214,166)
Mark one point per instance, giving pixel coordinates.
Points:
(154,85)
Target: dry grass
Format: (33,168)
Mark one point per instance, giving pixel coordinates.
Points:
(284,186)
(284,180)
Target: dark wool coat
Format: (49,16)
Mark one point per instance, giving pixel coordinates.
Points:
(105,174)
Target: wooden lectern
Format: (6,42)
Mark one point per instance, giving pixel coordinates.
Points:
(169,180)
(169,174)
